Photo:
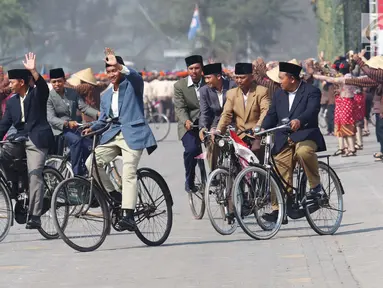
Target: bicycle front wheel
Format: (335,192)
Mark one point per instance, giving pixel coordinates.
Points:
(197,199)
(154,213)
(325,213)
(56,161)
(256,191)
(6,212)
(91,214)
(160,126)
(219,201)
(52,178)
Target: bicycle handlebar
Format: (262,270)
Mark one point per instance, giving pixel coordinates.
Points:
(109,123)
(272,130)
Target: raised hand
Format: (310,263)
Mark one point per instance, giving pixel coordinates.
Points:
(30,61)
(110,57)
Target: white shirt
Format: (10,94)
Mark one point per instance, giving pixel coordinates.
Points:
(114,104)
(220,98)
(292,96)
(245,96)
(22,105)
(196,86)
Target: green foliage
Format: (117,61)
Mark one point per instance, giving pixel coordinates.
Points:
(236,22)
(14,22)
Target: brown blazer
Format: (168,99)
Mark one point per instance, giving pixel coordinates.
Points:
(258,103)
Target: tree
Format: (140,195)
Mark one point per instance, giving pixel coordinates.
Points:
(72,28)
(244,24)
(14,23)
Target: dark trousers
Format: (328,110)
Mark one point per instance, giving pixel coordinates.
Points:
(192,146)
(330,118)
(379,131)
(79,150)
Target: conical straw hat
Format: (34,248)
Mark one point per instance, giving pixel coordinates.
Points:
(273,74)
(74,81)
(375,62)
(87,76)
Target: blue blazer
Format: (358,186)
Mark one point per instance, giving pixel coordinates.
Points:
(36,125)
(305,108)
(132,122)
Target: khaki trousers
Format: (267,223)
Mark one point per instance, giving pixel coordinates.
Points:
(285,161)
(105,154)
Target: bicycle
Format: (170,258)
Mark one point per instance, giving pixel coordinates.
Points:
(98,207)
(273,188)
(234,156)
(14,185)
(156,120)
(196,199)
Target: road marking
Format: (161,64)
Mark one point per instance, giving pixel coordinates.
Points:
(12,267)
(33,248)
(294,256)
(300,280)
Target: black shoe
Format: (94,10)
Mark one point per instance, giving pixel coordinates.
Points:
(271,217)
(34,223)
(127,223)
(315,192)
(231,219)
(191,189)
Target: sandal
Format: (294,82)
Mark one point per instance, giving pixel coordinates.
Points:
(366,133)
(339,152)
(349,154)
(358,147)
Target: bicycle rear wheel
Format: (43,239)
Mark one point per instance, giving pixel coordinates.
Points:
(255,190)
(197,199)
(153,209)
(218,192)
(52,178)
(319,212)
(160,126)
(91,208)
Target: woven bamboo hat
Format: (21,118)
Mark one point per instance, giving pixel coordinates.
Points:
(86,75)
(375,62)
(273,74)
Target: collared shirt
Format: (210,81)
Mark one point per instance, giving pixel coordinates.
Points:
(196,86)
(220,97)
(245,96)
(114,105)
(22,105)
(292,96)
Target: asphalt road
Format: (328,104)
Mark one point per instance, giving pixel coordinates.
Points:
(196,256)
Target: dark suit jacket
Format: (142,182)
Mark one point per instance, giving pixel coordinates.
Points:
(209,104)
(305,108)
(36,125)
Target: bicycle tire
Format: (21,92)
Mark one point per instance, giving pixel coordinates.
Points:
(340,192)
(209,212)
(274,183)
(4,190)
(58,159)
(104,208)
(57,174)
(166,121)
(198,215)
(149,173)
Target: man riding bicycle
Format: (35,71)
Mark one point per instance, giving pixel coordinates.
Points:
(129,133)
(26,110)
(301,102)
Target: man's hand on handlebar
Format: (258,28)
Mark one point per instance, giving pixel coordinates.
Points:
(188,125)
(202,134)
(86,131)
(295,124)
